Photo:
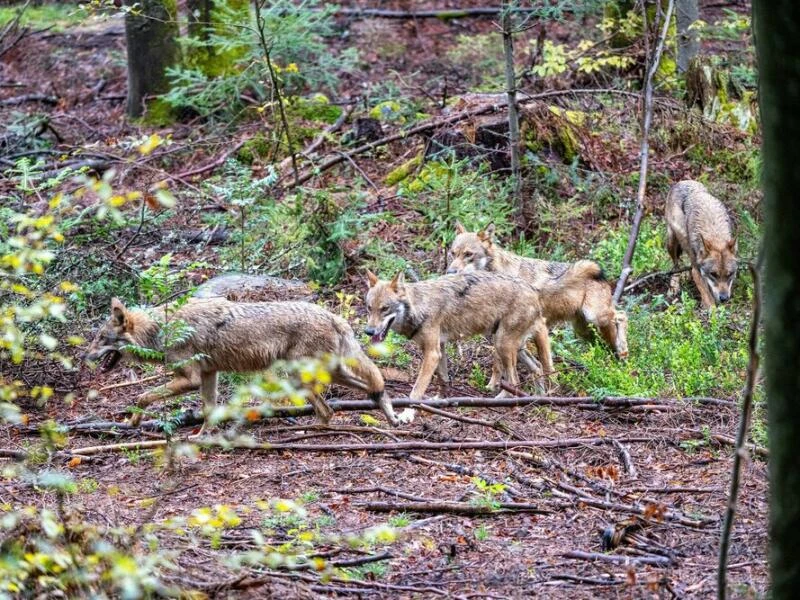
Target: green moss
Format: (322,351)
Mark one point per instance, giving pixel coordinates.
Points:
(566,141)
(159,113)
(211,59)
(256,147)
(316,108)
(403,171)
(389,110)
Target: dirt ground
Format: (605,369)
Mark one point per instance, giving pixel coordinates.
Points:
(655,476)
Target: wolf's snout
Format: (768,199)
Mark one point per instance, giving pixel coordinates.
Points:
(370,330)
(452,271)
(724,297)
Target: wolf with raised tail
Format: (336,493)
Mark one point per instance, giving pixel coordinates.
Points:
(238,337)
(456,306)
(576,292)
(699,224)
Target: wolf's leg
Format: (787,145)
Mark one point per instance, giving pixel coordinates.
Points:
(706,299)
(530,361)
(208,391)
(181,384)
(507,347)
(321,408)
(541,338)
(366,376)
(441,369)
(674,249)
(431,355)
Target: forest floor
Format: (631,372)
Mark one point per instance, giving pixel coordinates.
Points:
(652,478)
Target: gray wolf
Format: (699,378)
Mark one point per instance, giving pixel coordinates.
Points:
(575,292)
(454,306)
(699,224)
(239,337)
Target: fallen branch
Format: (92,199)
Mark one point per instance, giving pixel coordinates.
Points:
(661,561)
(192,418)
(16,100)
(443,13)
(498,425)
(741,437)
(217,162)
(649,276)
(644,150)
(627,462)
(457,508)
(146,445)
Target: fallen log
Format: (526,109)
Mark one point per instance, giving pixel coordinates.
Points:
(661,561)
(194,417)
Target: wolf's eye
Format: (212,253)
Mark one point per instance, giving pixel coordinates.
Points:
(468,255)
(714,275)
(386,310)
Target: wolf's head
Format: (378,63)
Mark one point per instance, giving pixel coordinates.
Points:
(471,251)
(717,264)
(387,305)
(113,335)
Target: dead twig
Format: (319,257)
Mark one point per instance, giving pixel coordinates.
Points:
(498,425)
(656,275)
(741,436)
(627,462)
(217,162)
(130,383)
(647,100)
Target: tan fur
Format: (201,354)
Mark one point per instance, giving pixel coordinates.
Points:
(573,292)
(699,224)
(455,306)
(241,337)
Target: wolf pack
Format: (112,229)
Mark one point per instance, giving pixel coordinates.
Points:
(487,290)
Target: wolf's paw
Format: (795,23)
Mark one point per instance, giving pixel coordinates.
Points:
(406,415)
(135,419)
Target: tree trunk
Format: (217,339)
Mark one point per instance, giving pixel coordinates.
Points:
(199,18)
(513,115)
(777,34)
(151,40)
(688,44)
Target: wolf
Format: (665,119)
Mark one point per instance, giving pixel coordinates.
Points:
(454,306)
(576,292)
(238,337)
(699,224)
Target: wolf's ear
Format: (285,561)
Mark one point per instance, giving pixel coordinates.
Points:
(372,279)
(487,234)
(706,246)
(733,246)
(398,281)
(460,228)
(118,312)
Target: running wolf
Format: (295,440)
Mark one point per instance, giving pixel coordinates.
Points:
(239,337)
(454,306)
(698,224)
(574,292)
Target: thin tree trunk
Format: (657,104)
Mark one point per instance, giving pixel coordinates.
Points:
(777,35)
(686,13)
(152,47)
(644,150)
(513,116)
